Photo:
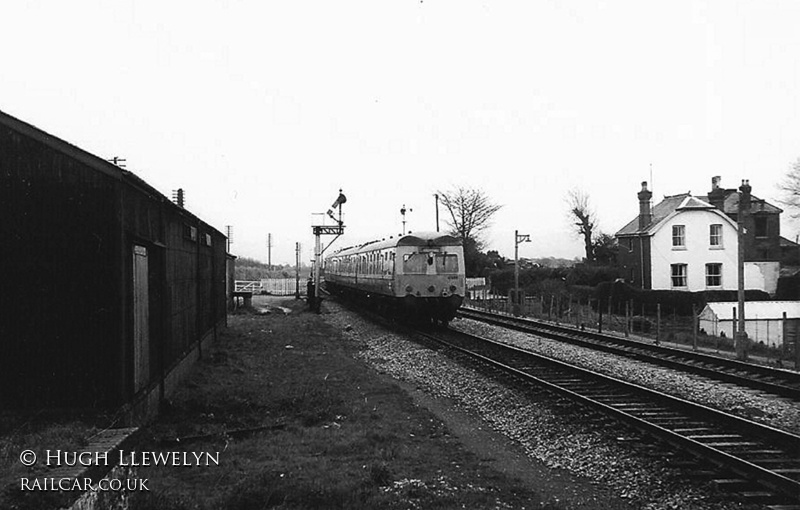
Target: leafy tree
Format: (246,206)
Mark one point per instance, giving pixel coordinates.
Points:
(580,209)
(604,249)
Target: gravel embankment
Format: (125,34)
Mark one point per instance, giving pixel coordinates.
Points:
(567,441)
(778,413)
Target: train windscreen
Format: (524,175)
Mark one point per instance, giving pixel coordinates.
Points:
(415,263)
(446,263)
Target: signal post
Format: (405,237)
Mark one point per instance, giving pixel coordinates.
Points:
(314,299)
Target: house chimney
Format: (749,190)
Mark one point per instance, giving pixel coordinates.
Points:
(645,213)
(717,194)
(745,198)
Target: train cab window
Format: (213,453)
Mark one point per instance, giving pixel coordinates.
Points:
(446,263)
(415,263)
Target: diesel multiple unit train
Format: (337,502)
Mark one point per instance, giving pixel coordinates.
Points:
(419,275)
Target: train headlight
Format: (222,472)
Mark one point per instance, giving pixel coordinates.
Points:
(431,289)
(409,289)
(452,288)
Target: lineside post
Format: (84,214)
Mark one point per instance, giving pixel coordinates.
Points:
(314,299)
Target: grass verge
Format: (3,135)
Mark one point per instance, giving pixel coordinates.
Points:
(299,423)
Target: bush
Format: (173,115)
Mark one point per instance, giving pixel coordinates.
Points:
(679,302)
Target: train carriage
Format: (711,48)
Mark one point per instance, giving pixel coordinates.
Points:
(420,275)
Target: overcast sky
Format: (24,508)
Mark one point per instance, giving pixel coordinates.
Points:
(263,110)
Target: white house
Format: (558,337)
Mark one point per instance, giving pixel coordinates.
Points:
(765,321)
(686,243)
(694,248)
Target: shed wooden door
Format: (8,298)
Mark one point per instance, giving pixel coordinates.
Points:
(141,318)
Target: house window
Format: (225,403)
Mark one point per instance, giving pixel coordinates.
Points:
(715,236)
(679,236)
(713,275)
(678,275)
(761,226)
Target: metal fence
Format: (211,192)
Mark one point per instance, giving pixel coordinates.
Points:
(658,325)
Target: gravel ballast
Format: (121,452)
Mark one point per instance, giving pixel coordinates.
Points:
(550,432)
(776,412)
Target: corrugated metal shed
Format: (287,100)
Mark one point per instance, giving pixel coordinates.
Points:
(757,309)
(764,320)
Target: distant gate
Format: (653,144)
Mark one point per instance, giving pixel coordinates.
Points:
(272,286)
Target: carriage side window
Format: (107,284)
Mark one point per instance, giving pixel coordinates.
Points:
(446,263)
(387,263)
(415,263)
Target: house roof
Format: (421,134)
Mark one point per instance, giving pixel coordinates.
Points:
(755,309)
(730,205)
(660,212)
(788,243)
(685,201)
(691,202)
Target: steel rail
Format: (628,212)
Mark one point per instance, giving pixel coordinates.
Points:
(782,382)
(762,440)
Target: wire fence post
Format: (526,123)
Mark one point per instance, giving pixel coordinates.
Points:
(569,309)
(558,308)
(627,317)
(658,323)
(600,317)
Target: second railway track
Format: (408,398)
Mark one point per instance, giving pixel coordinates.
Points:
(778,382)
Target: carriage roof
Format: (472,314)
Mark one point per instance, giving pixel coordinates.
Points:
(431,239)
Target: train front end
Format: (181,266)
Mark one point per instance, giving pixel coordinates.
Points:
(429,275)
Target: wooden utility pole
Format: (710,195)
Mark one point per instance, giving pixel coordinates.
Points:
(740,340)
(269,252)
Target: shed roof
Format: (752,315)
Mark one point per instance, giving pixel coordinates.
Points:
(756,309)
(95,162)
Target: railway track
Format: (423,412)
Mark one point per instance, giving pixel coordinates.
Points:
(762,378)
(759,462)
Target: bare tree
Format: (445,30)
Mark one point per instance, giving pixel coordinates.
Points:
(470,211)
(790,188)
(580,209)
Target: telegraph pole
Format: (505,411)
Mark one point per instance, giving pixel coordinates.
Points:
(229,235)
(740,339)
(436,196)
(269,252)
(297,270)
(403,213)
(117,161)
